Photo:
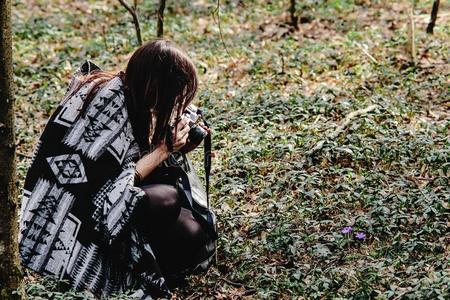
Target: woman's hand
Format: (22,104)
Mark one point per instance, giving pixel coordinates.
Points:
(191,146)
(182,134)
(149,162)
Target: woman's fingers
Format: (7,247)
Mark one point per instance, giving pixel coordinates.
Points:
(184,131)
(180,144)
(182,134)
(209,130)
(182,128)
(180,141)
(182,123)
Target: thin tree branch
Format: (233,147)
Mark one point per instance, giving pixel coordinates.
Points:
(160,14)
(104,37)
(217,12)
(434,12)
(132,11)
(24,155)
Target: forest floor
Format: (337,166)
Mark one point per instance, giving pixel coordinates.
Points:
(306,208)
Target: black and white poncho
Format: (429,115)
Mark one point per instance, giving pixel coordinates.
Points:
(79,197)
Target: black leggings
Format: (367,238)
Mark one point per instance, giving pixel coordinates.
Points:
(173,232)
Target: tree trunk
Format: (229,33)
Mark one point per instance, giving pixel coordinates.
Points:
(133,12)
(293,14)
(412,36)
(10,274)
(434,12)
(160,15)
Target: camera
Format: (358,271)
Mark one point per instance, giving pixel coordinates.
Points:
(197,133)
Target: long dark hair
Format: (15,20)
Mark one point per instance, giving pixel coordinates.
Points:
(159,83)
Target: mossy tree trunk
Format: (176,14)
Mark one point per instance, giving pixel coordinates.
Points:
(10,274)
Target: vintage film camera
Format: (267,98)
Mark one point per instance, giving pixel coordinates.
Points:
(197,132)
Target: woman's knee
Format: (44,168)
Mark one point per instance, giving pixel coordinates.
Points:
(190,228)
(162,197)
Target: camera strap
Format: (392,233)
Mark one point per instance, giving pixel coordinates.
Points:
(207,162)
(207,145)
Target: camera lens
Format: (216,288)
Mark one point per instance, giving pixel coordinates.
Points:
(197,134)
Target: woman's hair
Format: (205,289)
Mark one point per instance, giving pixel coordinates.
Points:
(159,82)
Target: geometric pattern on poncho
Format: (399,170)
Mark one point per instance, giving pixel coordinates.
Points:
(67,168)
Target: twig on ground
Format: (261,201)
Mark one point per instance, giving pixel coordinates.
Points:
(248,291)
(235,284)
(348,119)
(317,147)
(366,53)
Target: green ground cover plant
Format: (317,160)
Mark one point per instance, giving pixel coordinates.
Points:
(304,211)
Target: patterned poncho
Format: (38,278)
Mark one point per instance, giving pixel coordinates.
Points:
(79,197)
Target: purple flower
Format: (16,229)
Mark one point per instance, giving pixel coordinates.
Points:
(360,235)
(347,229)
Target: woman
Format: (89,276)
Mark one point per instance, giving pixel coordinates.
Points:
(86,214)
